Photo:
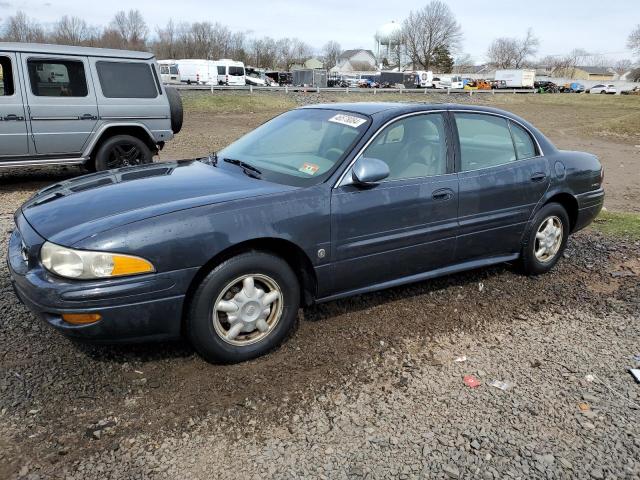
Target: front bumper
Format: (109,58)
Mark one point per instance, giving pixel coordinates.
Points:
(146,307)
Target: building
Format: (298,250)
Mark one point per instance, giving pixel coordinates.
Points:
(597,74)
(356,61)
(312,63)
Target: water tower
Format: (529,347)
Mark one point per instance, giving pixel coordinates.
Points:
(386,39)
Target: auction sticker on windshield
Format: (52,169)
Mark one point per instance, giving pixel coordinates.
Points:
(348,120)
(309,168)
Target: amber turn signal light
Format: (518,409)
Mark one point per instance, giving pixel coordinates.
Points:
(81,318)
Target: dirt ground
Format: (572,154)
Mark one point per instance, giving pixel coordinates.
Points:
(69,410)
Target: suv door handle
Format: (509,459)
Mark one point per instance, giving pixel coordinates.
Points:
(538,177)
(88,116)
(13,117)
(442,194)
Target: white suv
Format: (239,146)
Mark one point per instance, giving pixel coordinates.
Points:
(603,89)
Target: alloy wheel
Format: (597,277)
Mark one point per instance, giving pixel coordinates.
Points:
(125,155)
(548,239)
(247,309)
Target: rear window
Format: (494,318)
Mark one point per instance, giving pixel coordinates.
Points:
(221,70)
(57,78)
(6,77)
(126,80)
(236,71)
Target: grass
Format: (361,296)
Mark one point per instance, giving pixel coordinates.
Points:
(205,102)
(620,224)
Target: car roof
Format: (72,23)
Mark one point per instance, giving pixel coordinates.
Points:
(73,50)
(390,109)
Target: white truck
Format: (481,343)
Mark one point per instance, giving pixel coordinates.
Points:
(230,72)
(425,79)
(522,78)
(198,71)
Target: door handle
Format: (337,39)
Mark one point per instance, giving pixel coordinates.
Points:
(442,194)
(88,116)
(538,177)
(13,117)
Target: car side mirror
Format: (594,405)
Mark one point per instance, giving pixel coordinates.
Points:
(367,171)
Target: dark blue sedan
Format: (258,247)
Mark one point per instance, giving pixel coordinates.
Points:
(319,203)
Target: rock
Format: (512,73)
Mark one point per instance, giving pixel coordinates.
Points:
(597,473)
(475,445)
(451,471)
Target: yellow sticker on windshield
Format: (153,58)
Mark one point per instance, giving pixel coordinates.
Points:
(348,120)
(309,168)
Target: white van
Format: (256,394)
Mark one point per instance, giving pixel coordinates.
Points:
(230,72)
(452,82)
(169,71)
(200,72)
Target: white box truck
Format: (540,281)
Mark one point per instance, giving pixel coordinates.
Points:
(522,78)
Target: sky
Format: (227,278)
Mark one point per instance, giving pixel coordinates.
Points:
(599,28)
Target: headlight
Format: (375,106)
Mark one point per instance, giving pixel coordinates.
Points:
(84,265)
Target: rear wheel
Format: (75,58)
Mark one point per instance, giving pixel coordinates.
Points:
(122,151)
(243,308)
(546,240)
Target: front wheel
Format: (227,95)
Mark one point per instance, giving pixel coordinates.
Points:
(546,240)
(243,308)
(122,151)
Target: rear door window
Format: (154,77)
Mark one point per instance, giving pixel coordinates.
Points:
(126,80)
(525,148)
(485,141)
(6,77)
(221,70)
(57,78)
(236,71)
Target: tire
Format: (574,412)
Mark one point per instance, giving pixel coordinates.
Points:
(122,151)
(533,264)
(175,109)
(602,92)
(209,328)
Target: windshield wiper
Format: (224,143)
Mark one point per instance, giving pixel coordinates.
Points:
(247,168)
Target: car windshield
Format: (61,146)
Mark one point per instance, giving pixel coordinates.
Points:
(300,147)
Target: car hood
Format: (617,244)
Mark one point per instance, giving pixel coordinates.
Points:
(70,211)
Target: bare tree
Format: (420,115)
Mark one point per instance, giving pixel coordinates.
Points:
(507,52)
(131,27)
(634,40)
(20,28)
(622,66)
(291,51)
(463,64)
(330,53)
(73,31)
(425,30)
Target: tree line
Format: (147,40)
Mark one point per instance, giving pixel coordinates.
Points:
(427,39)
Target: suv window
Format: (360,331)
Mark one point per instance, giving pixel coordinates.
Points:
(6,77)
(412,147)
(57,78)
(525,147)
(126,80)
(485,141)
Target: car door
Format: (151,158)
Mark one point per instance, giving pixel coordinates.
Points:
(503,176)
(406,224)
(14,134)
(61,102)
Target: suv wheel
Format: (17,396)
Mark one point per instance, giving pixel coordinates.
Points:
(122,151)
(546,240)
(243,308)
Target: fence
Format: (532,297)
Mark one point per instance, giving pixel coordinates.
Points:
(370,91)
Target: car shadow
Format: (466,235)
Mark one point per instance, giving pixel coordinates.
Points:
(181,349)
(29,178)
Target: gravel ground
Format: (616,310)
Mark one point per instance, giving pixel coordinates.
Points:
(367,387)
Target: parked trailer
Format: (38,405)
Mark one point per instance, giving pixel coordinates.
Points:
(407,79)
(308,77)
(281,78)
(522,78)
